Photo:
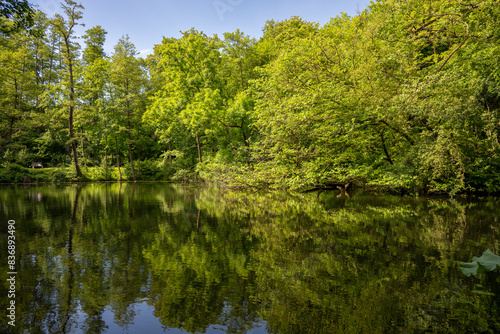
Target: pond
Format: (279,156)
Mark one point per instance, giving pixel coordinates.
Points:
(160,257)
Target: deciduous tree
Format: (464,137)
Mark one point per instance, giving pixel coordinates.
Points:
(65,27)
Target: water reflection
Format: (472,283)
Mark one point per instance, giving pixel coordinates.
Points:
(113,258)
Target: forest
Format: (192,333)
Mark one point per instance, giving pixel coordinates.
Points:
(404,96)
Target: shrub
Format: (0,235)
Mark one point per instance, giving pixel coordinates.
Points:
(13,173)
(57,175)
(95,173)
(149,171)
(184,175)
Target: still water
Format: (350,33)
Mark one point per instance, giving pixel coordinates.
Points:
(154,258)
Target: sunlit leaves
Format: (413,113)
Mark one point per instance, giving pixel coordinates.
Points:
(388,97)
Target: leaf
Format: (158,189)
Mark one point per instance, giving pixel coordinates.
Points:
(469,268)
(484,293)
(487,262)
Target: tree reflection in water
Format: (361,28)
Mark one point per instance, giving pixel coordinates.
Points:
(149,257)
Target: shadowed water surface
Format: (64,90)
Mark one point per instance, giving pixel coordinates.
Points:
(153,258)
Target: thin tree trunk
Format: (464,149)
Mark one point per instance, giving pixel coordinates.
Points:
(198,221)
(106,159)
(404,135)
(130,157)
(169,155)
(245,140)
(129,139)
(83,151)
(6,139)
(11,131)
(494,139)
(199,148)
(139,160)
(72,107)
(388,157)
(52,50)
(118,159)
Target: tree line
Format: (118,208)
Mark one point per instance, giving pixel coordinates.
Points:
(404,95)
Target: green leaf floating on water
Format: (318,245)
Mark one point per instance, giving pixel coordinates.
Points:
(487,262)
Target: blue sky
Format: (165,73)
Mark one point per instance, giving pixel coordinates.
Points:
(147,21)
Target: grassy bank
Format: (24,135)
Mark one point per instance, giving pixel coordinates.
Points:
(223,175)
(148,171)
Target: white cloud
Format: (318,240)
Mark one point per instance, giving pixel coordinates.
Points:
(145,52)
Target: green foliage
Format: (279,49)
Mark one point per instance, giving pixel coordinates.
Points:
(58,175)
(386,98)
(149,170)
(21,11)
(94,39)
(54,175)
(405,97)
(184,176)
(95,173)
(13,173)
(21,156)
(487,262)
(16,174)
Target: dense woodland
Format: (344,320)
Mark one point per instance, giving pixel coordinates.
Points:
(403,96)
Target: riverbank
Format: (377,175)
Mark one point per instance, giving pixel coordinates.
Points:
(13,173)
(16,174)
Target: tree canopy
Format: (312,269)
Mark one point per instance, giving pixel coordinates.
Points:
(403,96)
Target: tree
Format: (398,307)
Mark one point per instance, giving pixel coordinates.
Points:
(398,96)
(65,29)
(445,106)
(20,11)
(239,62)
(94,41)
(128,81)
(279,36)
(24,75)
(15,79)
(192,90)
(95,91)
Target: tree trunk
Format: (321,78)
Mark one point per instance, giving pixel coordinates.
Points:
(199,148)
(387,156)
(72,108)
(52,50)
(245,140)
(401,133)
(118,159)
(83,150)
(6,139)
(139,159)
(128,136)
(198,221)
(130,157)
(106,159)
(169,155)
